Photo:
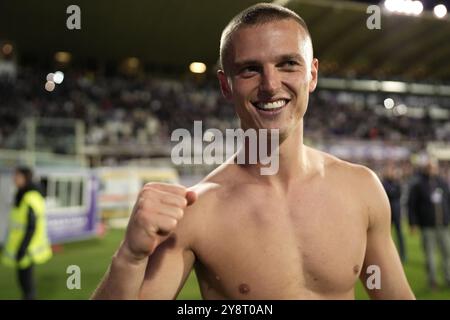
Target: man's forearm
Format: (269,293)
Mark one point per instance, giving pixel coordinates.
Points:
(123,279)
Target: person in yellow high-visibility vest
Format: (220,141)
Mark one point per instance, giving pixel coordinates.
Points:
(27,243)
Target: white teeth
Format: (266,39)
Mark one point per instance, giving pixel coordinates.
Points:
(271,105)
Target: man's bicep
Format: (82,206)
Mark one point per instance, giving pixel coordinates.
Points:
(383,275)
(167,270)
(382,259)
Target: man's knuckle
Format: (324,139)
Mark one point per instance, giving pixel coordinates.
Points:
(141,219)
(182,202)
(150,184)
(180,213)
(172,223)
(179,201)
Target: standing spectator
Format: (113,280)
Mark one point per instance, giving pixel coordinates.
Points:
(429,209)
(393,190)
(27,243)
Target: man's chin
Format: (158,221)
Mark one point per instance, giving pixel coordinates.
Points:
(274,126)
(281,132)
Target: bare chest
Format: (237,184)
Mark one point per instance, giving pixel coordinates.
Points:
(309,246)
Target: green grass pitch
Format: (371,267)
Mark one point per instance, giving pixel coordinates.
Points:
(93,257)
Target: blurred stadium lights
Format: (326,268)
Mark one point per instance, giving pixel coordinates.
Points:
(400,110)
(49,86)
(408,7)
(63,57)
(393,86)
(132,62)
(388,103)
(365,85)
(58,77)
(53,79)
(383,86)
(50,77)
(444,90)
(197,67)
(7,49)
(131,66)
(440,11)
(420,88)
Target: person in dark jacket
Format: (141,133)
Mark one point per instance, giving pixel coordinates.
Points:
(393,188)
(429,209)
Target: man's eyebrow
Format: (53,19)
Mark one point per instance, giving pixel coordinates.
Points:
(242,63)
(289,56)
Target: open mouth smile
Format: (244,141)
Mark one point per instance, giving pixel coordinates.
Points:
(271,107)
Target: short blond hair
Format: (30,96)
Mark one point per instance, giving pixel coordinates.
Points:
(257,14)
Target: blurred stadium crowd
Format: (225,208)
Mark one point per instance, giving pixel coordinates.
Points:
(120,110)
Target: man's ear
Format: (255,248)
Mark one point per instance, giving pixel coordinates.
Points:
(314,75)
(224,86)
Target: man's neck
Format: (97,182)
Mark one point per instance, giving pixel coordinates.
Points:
(294,161)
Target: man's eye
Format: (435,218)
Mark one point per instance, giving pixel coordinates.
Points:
(249,70)
(290,63)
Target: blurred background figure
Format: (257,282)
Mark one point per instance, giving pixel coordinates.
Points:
(27,243)
(428,206)
(392,185)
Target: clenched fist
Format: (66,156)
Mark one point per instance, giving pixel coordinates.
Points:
(158,209)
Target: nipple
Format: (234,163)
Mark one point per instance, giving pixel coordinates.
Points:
(244,288)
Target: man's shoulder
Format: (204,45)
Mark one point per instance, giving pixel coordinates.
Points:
(352,177)
(227,185)
(356,171)
(346,169)
(213,196)
(360,183)
(218,184)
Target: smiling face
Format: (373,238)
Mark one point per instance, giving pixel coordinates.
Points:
(269,73)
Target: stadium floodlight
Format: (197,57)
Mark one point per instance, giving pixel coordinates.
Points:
(388,5)
(63,57)
(197,67)
(417,7)
(49,86)
(391,5)
(399,6)
(58,77)
(7,48)
(401,109)
(132,62)
(404,6)
(389,103)
(440,11)
(408,7)
(50,76)
(393,86)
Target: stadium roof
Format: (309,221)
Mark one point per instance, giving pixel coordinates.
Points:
(175,32)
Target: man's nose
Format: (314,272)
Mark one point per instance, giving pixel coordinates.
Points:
(270,81)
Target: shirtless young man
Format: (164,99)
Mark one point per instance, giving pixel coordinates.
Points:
(308,232)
